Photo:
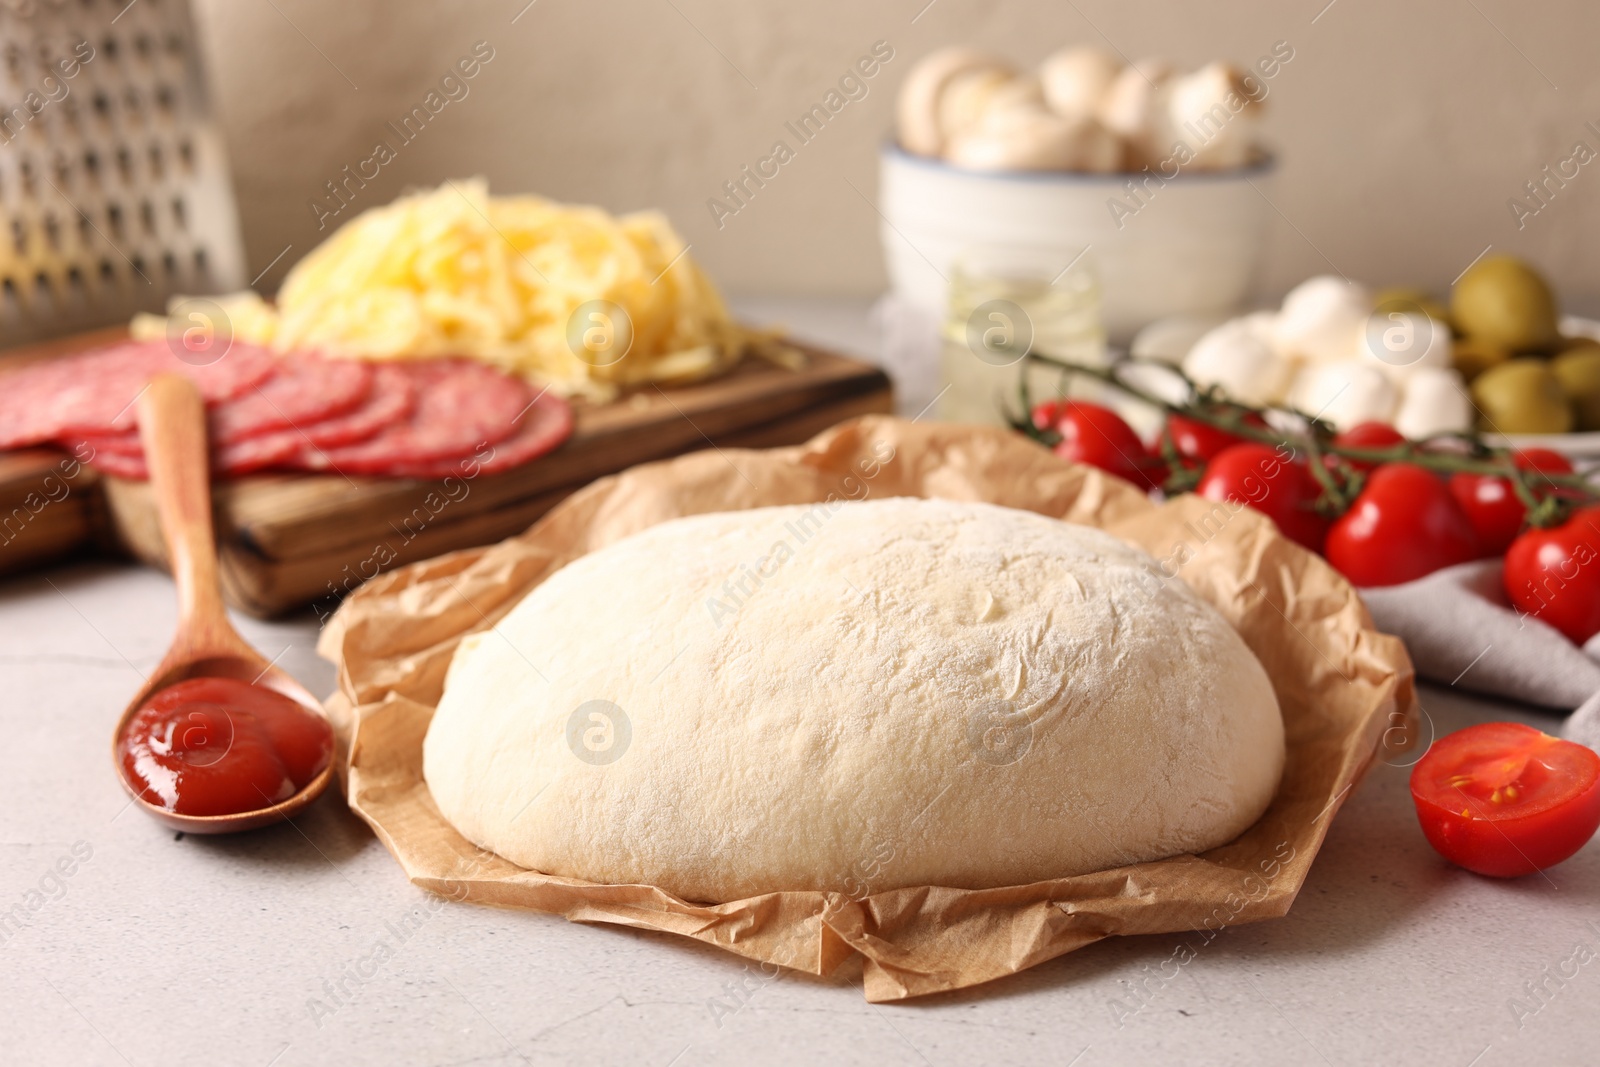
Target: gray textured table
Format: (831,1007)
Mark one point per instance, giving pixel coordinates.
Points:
(304,944)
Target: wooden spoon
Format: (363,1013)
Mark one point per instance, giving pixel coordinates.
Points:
(172,429)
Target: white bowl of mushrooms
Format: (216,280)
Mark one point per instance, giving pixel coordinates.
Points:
(1157,172)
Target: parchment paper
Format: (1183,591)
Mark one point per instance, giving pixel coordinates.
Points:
(1345,689)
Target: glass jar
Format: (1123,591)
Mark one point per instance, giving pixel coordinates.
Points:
(1003,304)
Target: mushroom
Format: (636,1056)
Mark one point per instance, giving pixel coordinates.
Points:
(1206,118)
(1024,92)
(1130,108)
(1077,79)
(1212,113)
(1323,319)
(971,95)
(926,120)
(1024,138)
(1234,358)
(1435,401)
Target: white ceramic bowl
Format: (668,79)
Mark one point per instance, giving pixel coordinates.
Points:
(1190,246)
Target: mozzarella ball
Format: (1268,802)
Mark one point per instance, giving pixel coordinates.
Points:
(1322,319)
(1234,359)
(1262,325)
(1076,80)
(1171,338)
(1161,382)
(1435,401)
(1344,394)
(1399,343)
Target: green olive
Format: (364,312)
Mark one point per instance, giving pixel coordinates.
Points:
(1578,371)
(1521,396)
(1411,301)
(1506,303)
(1472,357)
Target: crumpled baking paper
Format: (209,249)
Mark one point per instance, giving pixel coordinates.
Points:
(1346,691)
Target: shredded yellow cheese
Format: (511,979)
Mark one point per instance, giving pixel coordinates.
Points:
(455,272)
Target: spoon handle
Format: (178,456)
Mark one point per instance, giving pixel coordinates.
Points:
(172,428)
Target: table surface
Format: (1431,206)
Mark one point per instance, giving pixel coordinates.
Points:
(304,944)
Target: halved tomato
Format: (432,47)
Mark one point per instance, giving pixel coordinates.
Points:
(1504,799)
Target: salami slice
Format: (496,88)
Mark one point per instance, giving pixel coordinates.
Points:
(94,393)
(123,444)
(460,408)
(243,367)
(242,457)
(305,389)
(543,427)
(391,400)
(296,392)
(254,453)
(411,420)
(115,463)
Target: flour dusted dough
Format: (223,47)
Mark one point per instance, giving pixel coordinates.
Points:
(854,697)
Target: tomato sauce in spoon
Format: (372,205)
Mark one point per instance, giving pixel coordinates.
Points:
(216,746)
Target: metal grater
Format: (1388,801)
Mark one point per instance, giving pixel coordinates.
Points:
(113,180)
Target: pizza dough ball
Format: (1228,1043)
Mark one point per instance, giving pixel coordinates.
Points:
(854,697)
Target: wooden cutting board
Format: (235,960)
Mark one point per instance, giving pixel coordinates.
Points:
(287,540)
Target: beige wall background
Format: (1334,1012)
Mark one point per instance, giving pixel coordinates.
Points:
(1404,126)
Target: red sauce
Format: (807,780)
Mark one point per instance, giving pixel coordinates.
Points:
(214,746)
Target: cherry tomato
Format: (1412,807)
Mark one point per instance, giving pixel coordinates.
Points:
(1097,436)
(1373,435)
(1492,504)
(1503,799)
(1554,575)
(1272,482)
(1199,443)
(1403,525)
(1545,460)
(1046,413)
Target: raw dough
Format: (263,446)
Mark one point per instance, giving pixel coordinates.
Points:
(854,697)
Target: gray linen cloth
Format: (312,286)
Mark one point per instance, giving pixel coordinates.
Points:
(1461,630)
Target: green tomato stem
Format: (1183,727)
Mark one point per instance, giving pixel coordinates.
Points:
(1340,486)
